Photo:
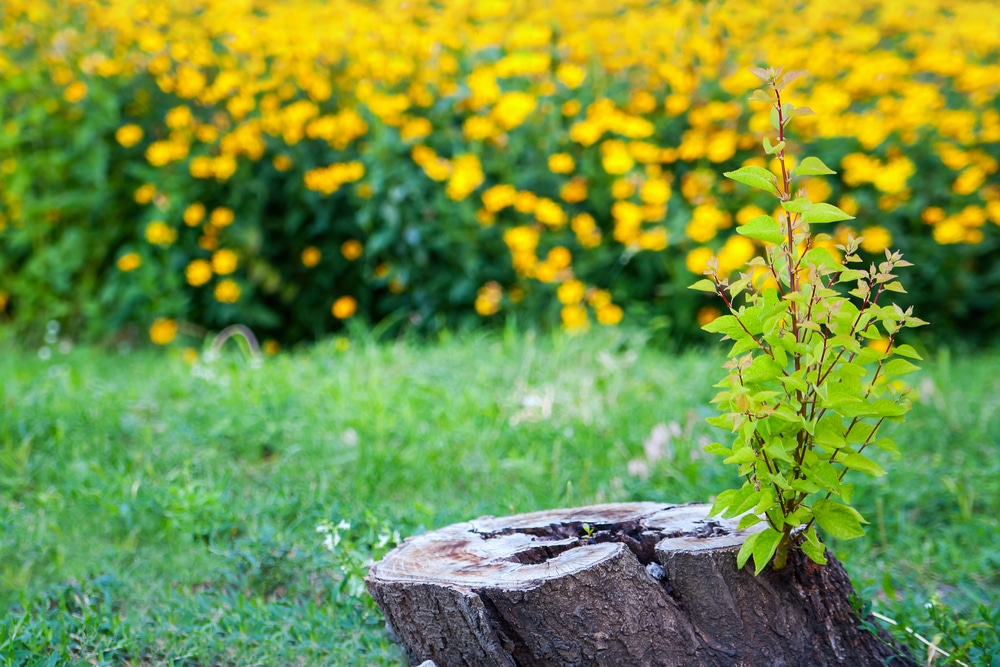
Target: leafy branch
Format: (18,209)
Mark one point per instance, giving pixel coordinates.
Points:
(814,367)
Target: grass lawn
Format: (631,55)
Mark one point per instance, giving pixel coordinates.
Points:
(156,512)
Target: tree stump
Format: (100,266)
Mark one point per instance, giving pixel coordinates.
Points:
(622,584)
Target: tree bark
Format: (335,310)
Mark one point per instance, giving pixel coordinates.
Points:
(622,584)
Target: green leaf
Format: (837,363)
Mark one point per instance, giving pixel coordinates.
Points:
(907,351)
(793,382)
(771,150)
(726,324)
(856,461)
(722,421)
(886,445)
(764,547)
(820,213)
(825,475)
(747,521)
(898,367)
(841,521)
(812,166)
(746,550)
(821,258)
(800,205)
(830,432)
(740,456)
(777,451)
(718,449)
(722,501)
(894,286)
(755,177)
(883,407)
(847,492)
(703,285)
(745,499)
(762,228)
(766,501)
(762,369)
(813,548)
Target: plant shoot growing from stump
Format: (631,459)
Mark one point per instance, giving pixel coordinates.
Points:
(814,365)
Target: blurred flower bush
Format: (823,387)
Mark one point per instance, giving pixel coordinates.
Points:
(291,165)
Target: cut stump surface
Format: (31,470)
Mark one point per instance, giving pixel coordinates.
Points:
(621,584)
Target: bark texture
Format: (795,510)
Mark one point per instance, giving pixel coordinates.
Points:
(622,584)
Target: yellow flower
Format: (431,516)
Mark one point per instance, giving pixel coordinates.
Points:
(198,272)
(224,261)
(221,217)
(158,233)
(655,191)
(571,292)
(525,201)
(881,344)
(616,159)
(194,214)
(178,117)
(654,239)
(735,253)
(129,262)
(847,203)
(344,307)
(144,193)
(585,228)
(609,315)
(227,291)
(223,167)
(415,128)
(570,108)
(561,163)
(748,213)
(932,215)
(311,256)
(75,91)
(705,222)
(201,167)
(488,299)
(622,188)
(574,317)
(697,260)
(574,191)
(570,75)
(549,213)
(676,104)
(499,197)
(512,109)
(559,257)
(163,331)
(271,347)
(949,231)
(128,135)
(351,249)
(466,176)
(160,153)
(282,162)
(875,239)
(478,128)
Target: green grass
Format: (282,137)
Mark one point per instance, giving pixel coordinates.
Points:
(158,513)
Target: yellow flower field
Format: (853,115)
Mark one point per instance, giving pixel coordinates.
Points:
(287,164)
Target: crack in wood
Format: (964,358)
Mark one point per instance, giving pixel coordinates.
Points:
(561,537)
